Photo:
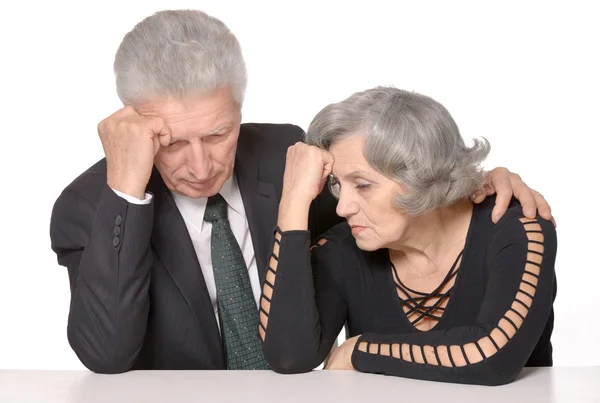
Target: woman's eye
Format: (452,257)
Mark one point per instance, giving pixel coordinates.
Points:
(363,186)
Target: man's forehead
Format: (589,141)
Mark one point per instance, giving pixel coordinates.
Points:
(199,104)
(205,116)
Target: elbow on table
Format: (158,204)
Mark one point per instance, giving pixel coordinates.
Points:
(286,363)
(105,367)
(101,362)
(496,375)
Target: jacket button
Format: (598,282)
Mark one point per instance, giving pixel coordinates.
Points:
(116,241)
(117,231)
(118,220)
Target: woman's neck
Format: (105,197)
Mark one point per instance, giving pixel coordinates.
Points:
(433,239)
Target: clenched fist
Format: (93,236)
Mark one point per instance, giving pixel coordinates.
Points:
(306,170)
(130,143)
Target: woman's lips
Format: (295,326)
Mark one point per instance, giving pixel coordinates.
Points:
(357,229)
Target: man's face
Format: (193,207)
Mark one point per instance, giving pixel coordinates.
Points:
(204,130)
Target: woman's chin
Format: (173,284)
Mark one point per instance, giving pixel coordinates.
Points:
(365,245)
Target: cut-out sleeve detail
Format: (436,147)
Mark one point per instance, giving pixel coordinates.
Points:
(514,312)
(291,342)
(269,285)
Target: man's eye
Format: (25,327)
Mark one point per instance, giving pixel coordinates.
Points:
(213,137)
(363,186)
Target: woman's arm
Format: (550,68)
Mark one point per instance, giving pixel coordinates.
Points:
(296,336)
(298,325)
(513,315)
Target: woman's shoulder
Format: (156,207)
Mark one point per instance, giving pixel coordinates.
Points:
(337,247)
(336,253)
(339,233)
(513,226)
(336,240)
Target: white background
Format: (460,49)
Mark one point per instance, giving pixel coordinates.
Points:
(523,74)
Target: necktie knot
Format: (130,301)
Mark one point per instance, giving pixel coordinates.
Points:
(216,208)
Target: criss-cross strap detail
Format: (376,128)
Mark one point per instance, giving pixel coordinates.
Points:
(426,305)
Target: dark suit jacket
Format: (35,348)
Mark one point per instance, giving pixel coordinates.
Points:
(138,296)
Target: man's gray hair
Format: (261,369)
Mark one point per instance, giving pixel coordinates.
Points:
(178,53)
(409,138)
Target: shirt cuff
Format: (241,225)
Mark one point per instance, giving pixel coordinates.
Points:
(134,200)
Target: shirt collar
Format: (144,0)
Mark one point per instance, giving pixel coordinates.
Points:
(193,210)
(231,193)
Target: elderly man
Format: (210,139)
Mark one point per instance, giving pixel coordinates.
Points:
(167,239)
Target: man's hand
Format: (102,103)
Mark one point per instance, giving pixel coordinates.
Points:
(506,185)
(130,143)
(341,357)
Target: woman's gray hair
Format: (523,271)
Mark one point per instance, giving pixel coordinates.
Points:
(178,53)
(409,138)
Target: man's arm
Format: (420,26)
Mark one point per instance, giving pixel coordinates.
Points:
(106,249)
(105,245)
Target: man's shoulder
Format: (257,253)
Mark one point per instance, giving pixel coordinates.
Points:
(270,135)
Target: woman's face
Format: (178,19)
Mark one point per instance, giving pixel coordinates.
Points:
(366,198)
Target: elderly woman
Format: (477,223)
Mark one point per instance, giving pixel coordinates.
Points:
(427,285)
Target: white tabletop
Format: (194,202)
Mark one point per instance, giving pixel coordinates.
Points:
(566,384)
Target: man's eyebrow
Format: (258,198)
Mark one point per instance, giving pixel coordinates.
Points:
(225,126)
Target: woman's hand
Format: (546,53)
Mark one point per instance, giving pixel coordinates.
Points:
(306,171)
(341,357)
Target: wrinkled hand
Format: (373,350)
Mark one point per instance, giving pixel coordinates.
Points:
(341,357)
(130,143)
(506,185)
(306,170)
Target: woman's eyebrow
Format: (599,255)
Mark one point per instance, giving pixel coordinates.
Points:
(354,174)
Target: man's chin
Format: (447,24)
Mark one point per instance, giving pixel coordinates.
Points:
(200,190)
(197,194)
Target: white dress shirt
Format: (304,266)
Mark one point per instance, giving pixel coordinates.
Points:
(192,211)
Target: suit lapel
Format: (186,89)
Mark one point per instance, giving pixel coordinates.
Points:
(260,204)
(174,248)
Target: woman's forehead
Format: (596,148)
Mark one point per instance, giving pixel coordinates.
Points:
(348,156)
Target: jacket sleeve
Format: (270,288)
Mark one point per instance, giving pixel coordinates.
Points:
(106,248)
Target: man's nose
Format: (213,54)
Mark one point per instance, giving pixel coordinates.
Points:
(198,161)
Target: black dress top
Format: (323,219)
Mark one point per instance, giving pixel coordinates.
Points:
(498,316)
